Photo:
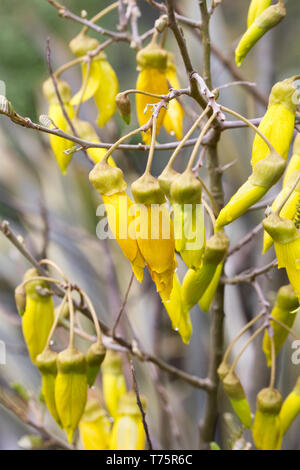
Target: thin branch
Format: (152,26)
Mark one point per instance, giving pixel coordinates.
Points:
(113,331)
(250,275)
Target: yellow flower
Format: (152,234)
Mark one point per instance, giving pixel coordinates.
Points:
(70,389)
(152,61)
(102,82)
(269,18)
(238,399)
(86,131)
(173,121)
(208,296)
(38,316)
(178,312)
(290,408)
(55,112)
(278,122)
(128,430)
(95,427)
(255,9)
(46,363)
(294,163)
(267,433)
(113,381)
(284,311)
(110,184)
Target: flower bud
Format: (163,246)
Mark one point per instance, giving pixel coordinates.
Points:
(113,381)
(106,179)
(223,370)
(63,89)
(267,433)
(47,365)
(128,430)
(196,282)
(290,408)
(124,106)
(146,190)
(95,427)
(20,298)
(94,358)
(166,178)
(38,316)
(70,389)
(152,56)
(186,189)
(283,311)
(237,396)
(267,20)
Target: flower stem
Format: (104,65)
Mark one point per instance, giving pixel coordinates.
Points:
(152,146)
(94,315)
(199,141)
(252,337)
(72,317)
(55,323)
(100,15)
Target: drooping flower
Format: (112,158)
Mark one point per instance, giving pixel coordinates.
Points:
(95,427)
(267,432)
(86,131)
(47,365)
(113,382)
(290,408)
(237,396)
(152,78)
(173,120)
(55,112)
(109,182)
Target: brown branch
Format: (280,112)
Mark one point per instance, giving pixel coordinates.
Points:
(113,331)
(250,275)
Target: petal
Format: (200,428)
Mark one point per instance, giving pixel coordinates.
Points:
(92,83)
(105,96)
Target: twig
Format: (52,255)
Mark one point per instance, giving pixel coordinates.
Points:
(138,399)
(250,275)
(113,331)
(244,241)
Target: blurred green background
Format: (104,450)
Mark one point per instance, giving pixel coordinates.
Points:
(34,196)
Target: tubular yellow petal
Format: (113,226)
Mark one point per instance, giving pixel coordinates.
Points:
(113,382)
(105,96)
(255,9)
(288,256)
(207,298)
(290,408)
(92,84)
(58,144)
(120,221)
(154,81)
(178,313)
(173,121)
(267,433)
(95,427)
(86,131)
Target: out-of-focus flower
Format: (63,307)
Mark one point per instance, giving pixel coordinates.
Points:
(95,427)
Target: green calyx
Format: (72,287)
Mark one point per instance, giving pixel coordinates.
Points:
(31,287)
(233,386)
(96,354)
(71,361)
(286,94)
(128,404)
(47,362)
(281,230)
(124,106)
(269,401)
(271,17)
(223,370)
(147,190)
(268,170)
(20,298)
(152,56)
(286,298)
(166,178)
(63,88)
(112,363)
(82,44)
(186,189)
(216,248)
(106,179)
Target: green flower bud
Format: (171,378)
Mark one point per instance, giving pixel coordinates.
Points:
(82,44)
(47,365)
(20,298)
(237,396)
(94,358)
(152,56)
(106,179)
(63,88)
(267,433)
(284,93)
(282,231)
(166,178)
(268,171)
(186,189)
(124,106)
(146,190)
(223,370)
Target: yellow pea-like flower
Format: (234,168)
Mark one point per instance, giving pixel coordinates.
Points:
(197,281)
(268,19)
(86,131)
(290,408)
(294,163)
(128,430)
(173,120)
(265,174)
(286,239)
(189,225)
(278,122)
(113,381)
(101,83)
(95,427)
(38,316)
(109,182)
(70,389)
(208,296)
(155,236)
(94,358)
(255,9)
(152,78)
(284,311)
(55,112)
(266,431)
(238,399)
(47,365)
(178,313)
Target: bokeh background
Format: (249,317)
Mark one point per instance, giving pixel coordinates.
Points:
(58,213)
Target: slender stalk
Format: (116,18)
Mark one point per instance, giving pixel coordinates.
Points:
(68,65)
(152,146)
(199,142)
(56,320)
(100,15)
(273,365)
(72,317)
(122,139)
(54,266)
(252,337)
(94,315)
